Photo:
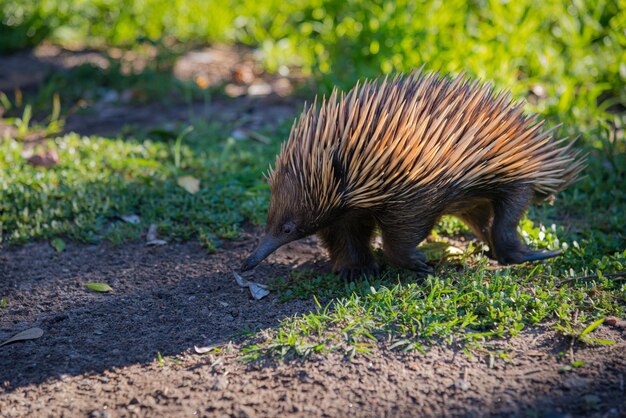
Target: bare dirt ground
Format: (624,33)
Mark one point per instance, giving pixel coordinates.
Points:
(99,352)
(98,355)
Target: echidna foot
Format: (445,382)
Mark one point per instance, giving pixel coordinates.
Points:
(416,262)
(518,258)
(354,272)
(422,269)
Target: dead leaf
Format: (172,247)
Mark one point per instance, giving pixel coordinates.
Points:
(151,237)
(46,159)
(131,219)
(257,290)
(437,251)
(156,243)
(204,350)
(152,233)
(243,74)
(453,251)
(189,183)
(29,334)
(203,82)
(240,280)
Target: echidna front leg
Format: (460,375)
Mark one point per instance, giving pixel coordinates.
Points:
(349,245)
(508,211)
(400,240)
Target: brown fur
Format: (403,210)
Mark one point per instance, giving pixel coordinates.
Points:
(400,154)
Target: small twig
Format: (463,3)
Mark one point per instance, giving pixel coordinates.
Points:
(571,349)
(593,276)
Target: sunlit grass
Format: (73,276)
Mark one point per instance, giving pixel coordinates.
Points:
(98,180)
(458,306)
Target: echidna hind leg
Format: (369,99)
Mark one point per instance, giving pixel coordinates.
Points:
(349,245)
(508,211)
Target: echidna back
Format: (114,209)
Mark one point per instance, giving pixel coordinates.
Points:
(385,139)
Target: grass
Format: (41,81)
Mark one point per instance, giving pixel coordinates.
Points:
(565,59)
(464,304)
(98,180)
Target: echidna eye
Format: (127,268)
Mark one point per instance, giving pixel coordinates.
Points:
(288,228)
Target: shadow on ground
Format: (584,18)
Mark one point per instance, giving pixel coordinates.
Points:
(165,300)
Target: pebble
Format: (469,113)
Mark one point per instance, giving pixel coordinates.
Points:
(220,383)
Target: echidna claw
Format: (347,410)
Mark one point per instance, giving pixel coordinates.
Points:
(517,258)
(423,270)
(539,255)
(350,274)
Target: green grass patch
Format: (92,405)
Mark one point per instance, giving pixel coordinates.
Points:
(98,180)
(461,307)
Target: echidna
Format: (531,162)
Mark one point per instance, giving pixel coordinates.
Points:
(399,154)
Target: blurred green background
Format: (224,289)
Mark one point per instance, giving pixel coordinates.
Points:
(574,50)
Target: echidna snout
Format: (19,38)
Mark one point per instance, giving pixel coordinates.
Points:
(272,240)
(288,218)
(268,245)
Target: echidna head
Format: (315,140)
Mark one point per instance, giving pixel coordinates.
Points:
(288,218)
